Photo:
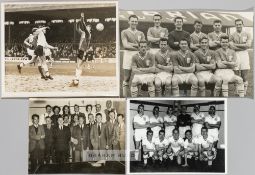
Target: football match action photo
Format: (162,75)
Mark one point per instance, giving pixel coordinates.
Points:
(176,136)
(188,53)
(52,49)
(76,136)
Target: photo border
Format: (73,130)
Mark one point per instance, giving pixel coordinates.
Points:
(170,99)
(5,94)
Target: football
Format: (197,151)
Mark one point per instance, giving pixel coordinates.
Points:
(100,27)
(76,82)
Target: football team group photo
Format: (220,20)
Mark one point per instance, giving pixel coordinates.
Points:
(186,53)
(57,49)
(176,136)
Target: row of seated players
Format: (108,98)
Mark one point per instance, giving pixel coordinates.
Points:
(166,69)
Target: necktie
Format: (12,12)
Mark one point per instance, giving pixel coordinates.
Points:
(36,129)
(99,130)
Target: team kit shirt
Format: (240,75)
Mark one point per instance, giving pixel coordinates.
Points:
(156,129)
(213,36)
(213,120)
(141,120)
(176,36)
(157,32)
(163,59)
(207,57)
(205,142)
(149,145)
(243,59)
(184,59)
(169,129)
(196,127)
(143,62)
(162,143)
(190,146)
(132,36)
(195,37)
(176,144)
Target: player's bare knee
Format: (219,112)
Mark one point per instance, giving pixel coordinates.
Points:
(157,83)
(168,82)
(174,81)
(239,80)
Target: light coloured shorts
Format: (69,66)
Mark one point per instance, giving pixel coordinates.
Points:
(154,50)
(30,52)
(127,59)
(243,60)
(140,134)
(184,78)
(204,75)
(144,78)
(225,74)
(163,76)
(47,52)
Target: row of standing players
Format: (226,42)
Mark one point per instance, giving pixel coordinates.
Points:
(60,141)
(181,58)
(189,136)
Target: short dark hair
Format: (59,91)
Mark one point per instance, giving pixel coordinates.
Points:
(204,37)
(55,107)
(90,114)
(140,105)
(184,39)
(168,108)
(47,117)
(81,116)
(157,15)
(217,21)
(198,22)
(224,36)
(35,116)
(162,130)
(188,131)
(175,129)
(164,39)
(132,16)
(87,106)
(47,106)
(178,17)
(212,107)
(142,41)
(63,109)
(204,128)
(120,115)
(238,20)
(149,131)
(111,111)
(76,105)
(155,107)
(98,114)
(65,115)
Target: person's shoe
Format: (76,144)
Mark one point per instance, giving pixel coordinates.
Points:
(19,68)
(50,77)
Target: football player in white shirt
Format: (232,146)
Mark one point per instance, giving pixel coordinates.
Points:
(140,122)
(176,147)
(197,120)
(156,122)
(213,123)
(148,147)
(205,146)
(169,122)
(190,147)
(161,144)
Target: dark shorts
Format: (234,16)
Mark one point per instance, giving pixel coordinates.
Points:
(39,51)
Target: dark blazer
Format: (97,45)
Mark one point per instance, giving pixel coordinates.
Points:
(48,135)
(110,131)
(54,119)
(82,136)
(99,142)
(89,140)
(35,139)
(61,138)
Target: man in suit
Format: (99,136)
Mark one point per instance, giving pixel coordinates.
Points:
(98,110)
(108,109)
(80,139)
(111,124)
(62,137)
(99,138)
(89,126)
(49,150)
(77,111)
(36,143)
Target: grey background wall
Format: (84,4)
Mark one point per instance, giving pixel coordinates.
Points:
(14,112)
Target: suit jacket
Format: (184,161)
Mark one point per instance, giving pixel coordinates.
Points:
(89,140)
(35,139)
(54,119)
(110,131)
(48,135)
(61,138)
(119,134)
(81,136)
(99,142)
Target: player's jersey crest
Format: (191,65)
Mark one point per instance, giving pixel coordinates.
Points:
(208,58)
(147,62)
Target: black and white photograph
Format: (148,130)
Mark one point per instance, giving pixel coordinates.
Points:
(76,135)
(56,49)
(178,135)
(187,53)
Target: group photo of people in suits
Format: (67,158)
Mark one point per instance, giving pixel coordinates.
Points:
(74,131)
